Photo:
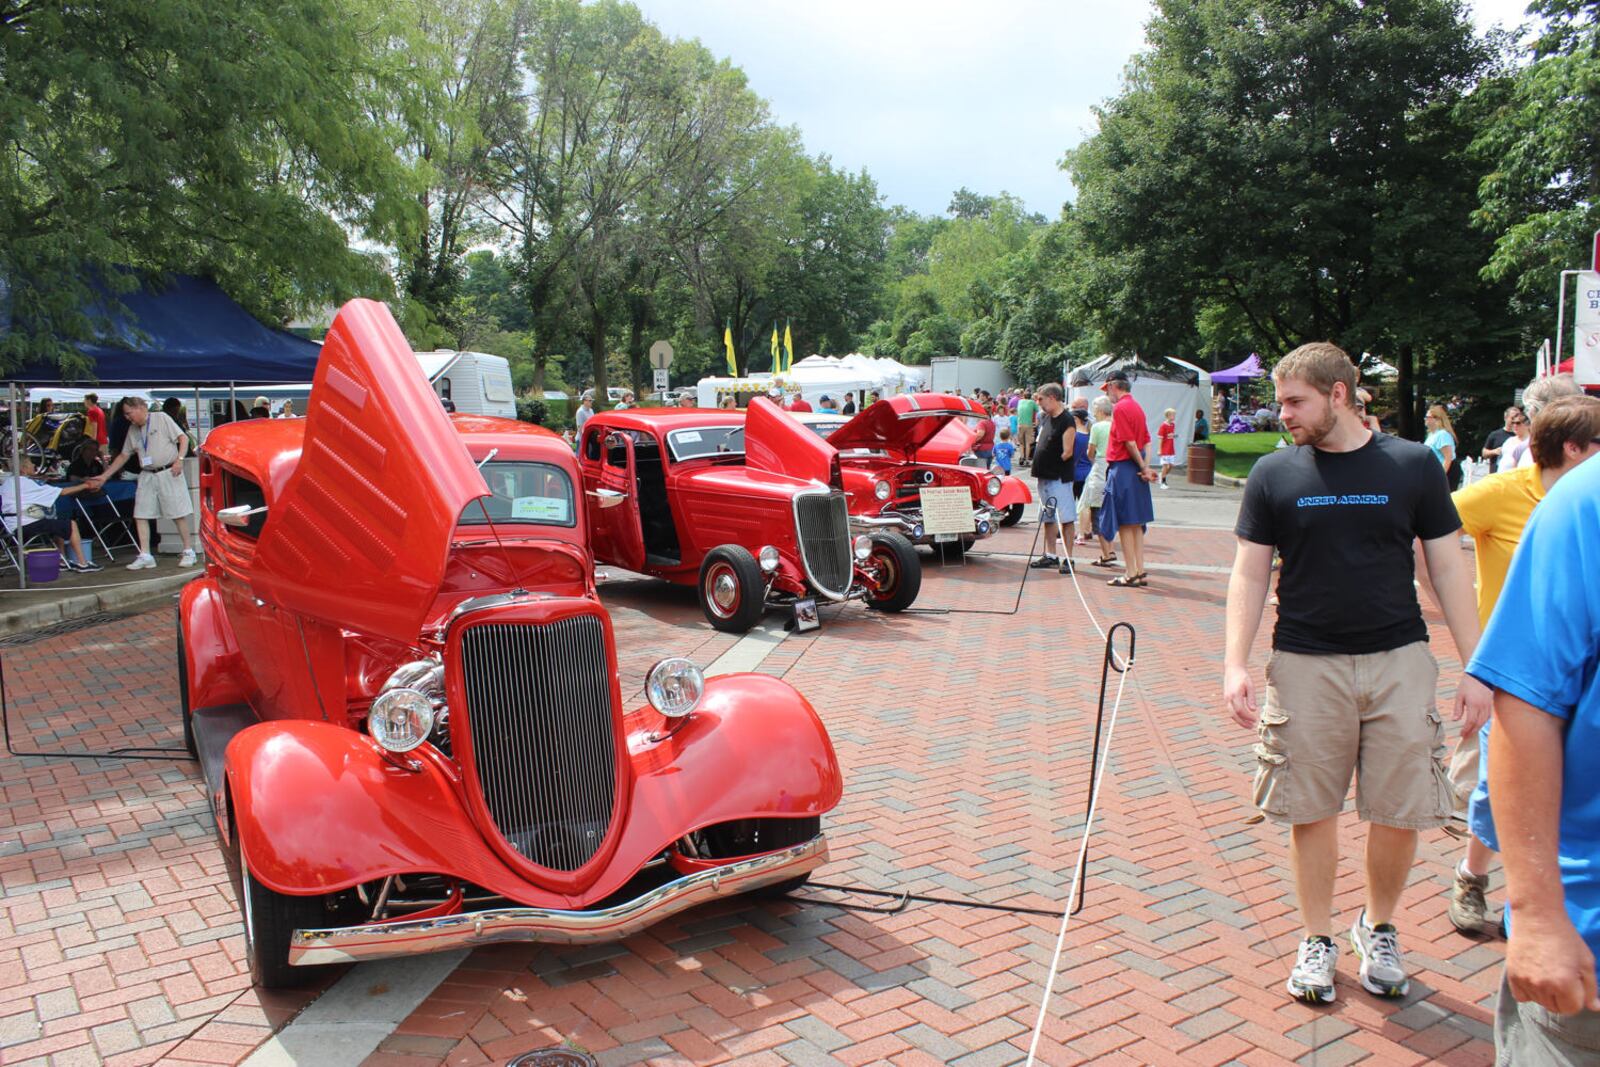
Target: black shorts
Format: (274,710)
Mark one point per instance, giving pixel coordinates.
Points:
(61,528)
(1077,488)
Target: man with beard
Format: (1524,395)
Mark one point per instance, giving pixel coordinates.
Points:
(1350,684)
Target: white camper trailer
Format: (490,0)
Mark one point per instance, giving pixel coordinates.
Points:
(475,382)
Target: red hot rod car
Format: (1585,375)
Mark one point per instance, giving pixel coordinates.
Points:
(747,506)
(403,692)
(900,445)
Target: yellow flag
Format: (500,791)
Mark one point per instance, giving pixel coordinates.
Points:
(777,360)
(727,341)
(788,346)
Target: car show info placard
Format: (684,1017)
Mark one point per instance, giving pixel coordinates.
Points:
(947,511)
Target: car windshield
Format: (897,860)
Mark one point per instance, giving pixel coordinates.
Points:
(824,428)
(694,442)
(523,492)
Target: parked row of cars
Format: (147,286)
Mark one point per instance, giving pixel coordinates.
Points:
(403,689)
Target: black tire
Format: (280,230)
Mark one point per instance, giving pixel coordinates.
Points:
(1012,516)
(732,593)
(270,920)
(893,551)
(184,711)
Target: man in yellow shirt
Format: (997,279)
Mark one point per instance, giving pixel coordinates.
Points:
(1494,512)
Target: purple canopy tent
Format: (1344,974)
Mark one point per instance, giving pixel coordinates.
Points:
(1250,368)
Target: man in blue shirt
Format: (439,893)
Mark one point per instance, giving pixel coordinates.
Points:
(1540,654)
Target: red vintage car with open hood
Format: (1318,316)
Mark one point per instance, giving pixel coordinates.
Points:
(749,507)
(894,449)
(403,692)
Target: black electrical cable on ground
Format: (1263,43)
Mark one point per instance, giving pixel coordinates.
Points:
(131,752)
(1016,605)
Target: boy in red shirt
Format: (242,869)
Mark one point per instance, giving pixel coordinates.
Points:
(1168,432)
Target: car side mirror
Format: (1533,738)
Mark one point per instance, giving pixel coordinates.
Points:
(239,514)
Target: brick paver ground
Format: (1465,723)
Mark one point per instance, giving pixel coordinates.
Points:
(964,739)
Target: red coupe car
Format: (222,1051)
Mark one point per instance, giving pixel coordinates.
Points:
(749,507)
(404,695)
(897,447)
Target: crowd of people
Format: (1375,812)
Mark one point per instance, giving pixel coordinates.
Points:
(1351,683)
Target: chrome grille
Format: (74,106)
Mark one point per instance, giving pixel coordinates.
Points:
(822,522)
(539,719)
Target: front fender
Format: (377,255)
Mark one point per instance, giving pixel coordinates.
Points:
(211,654)
(1012,491)
(319,809)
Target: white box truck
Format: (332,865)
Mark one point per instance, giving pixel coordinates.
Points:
(957,374)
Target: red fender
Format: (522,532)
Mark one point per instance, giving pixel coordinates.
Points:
(319,809)
(211,655)
(1012,491)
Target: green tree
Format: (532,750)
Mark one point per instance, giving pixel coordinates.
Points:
(1301,162)
(466,105)
(1541,197)
(236,138)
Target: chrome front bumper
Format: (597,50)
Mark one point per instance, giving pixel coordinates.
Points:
(405,937)
(908,521)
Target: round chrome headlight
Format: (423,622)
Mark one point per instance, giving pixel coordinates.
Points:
(881,490)
(994,486)
(674,687)
(863,547)
(768,558)
(917,531)
(400,719)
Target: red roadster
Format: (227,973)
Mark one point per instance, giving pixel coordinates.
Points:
(903,444)
(746,506)
(403,692)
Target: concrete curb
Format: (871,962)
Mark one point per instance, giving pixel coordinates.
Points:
(37,616)
(1223,479)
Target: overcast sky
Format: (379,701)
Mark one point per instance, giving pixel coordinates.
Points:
(933,95)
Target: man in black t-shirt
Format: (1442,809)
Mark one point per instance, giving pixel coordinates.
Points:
(1495,443)
(1054,456)
(1350,685)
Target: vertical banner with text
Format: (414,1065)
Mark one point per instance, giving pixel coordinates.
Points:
(1586,330)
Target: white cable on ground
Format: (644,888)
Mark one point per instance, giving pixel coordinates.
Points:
(1104,758)
(1077,870)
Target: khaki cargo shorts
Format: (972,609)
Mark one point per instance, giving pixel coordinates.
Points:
(1327,717)
(161,495)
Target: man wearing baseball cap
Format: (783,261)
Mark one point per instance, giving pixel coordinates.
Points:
(1127,506)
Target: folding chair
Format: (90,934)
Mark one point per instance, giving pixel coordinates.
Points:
(113,524)
(15,545)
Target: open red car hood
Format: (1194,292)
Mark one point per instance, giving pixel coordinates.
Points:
(949,444)
(775,443)
(361,533)
(904,423)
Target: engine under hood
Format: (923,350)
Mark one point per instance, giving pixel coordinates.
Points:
(904,423)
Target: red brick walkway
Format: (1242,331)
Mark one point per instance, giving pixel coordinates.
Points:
(964,739)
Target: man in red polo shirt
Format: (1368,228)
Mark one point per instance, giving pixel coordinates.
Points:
(1127,506)
(95,416)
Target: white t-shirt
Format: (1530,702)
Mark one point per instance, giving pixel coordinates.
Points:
(34,494)
(1516,453)
(156,442)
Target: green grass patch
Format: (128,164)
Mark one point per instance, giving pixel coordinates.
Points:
(1238,452)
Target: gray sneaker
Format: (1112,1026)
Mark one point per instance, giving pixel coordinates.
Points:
(1383,971)
(1312,978)
(1469,911)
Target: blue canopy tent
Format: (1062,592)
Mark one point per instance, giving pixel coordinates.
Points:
(187,332)
(183,331)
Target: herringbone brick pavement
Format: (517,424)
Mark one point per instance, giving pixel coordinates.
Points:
(965,742)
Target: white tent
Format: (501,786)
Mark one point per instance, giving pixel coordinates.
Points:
(1157,385)
(820,376)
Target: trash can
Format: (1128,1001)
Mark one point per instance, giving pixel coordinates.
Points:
(1202,463)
